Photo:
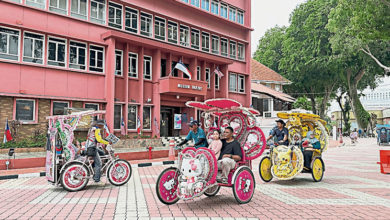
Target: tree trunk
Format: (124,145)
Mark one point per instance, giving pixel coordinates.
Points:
(324,102)
(313,103)
(344,112)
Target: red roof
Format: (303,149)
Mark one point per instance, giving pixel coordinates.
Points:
(273,93)
(263,73)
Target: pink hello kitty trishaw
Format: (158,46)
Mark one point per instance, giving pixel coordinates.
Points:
(197,169)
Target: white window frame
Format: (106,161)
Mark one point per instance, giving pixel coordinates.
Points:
(241,83)
(231,89)
(224,41)
(120,53)
(240,54)
(52,105)
(217,51)
(148,18)
(78,14)
(33,111)
(198,73)
(33,49)
(150,116)
(208,5)
(216,81)
(131,11)
(233,49)
(161,23)
(113,123)
(174,29)
(86,55)
(208,77)
(151,66)
(57,8)
(224,6)
(131,56)
(195,3)
(185,30)
(205,46)
(97,19)
(240,14)
(136,117)
(195,33)
(8,43)
(216,3)
(117,8)
(232,14)
(65,55)
(37,3)
(89,63)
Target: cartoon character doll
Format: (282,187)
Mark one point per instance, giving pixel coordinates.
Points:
(191,169)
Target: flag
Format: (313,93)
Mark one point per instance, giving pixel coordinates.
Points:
(138,125)
(123,131)
(7,133)
(180,66)
(218,72)
(156,126)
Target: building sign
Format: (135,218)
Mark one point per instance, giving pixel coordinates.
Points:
(177,121)
(183,86)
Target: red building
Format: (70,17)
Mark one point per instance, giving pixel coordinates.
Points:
(119,56)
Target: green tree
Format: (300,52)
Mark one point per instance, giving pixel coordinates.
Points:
(302,103)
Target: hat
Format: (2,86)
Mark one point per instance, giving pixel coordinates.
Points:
(194,122)
(100,122)
(281,121)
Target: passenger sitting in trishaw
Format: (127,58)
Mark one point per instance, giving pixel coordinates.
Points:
(309,144)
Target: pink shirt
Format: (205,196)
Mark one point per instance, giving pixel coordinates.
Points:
(216,146)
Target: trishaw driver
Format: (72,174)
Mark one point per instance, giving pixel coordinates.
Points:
(230,154)
(93,138)
(196,134)
(280,132)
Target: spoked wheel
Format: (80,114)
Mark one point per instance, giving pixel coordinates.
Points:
(244,185)
(212,191)
(265,169)
(166,186)
(317,170)
(119,172)
(74,177)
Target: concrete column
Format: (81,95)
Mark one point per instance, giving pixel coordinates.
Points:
(156,94)
(169,63)
(126,78)
(110,83)
(192,67)
(141,83)
(224,81)
(212,80)
(248,88)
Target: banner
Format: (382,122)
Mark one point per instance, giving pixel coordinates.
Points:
(177,121)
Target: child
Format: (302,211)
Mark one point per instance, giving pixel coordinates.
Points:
(216,143)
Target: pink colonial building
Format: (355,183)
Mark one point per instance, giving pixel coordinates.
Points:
(119,56)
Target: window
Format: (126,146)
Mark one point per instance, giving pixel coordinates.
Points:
(216,81)
(9,44)
(131,20)
(133,65)
(36,3)
(195,3)
(56,52)
(240,17)
(241,51)
(186,1)
(118,62)
(206,5)
(215,45)
(175,72)
(98,11)
(25,110)
(33,48)
(77,55)
(59,6)
(241,83)
(277,87)
(172,32)
(195,39)
(185,76)
(91,106)
(132,117)
(146,24)
(208,77)
(117,116)
(205,42)
(163,65)
(224,49)
(78,9)
(59,108)
(223,10)
(147,118)
(233,82)
(96,58)
(232,14)
(214,7)
(184,36)
(232,49)
(115,15)
(198,73)
(159,28)
(147,67)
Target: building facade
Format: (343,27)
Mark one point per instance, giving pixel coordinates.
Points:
(119,56)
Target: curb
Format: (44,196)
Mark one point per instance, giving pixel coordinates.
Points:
(40,174)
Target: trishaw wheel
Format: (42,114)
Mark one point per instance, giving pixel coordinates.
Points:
(74,177)
(265,169)
(166,186)
(317,170)
(212,191)
(244,185)
(119,172)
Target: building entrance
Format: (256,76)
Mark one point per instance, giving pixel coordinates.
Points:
(166,123)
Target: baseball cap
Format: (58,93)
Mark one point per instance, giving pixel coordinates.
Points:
(194,122)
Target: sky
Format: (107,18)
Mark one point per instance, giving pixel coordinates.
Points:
(269,13)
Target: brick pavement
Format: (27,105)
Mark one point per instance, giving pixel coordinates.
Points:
(352,188)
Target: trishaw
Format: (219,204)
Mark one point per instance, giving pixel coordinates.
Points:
(183,182)
(72,170)
(285,162)
(383,132)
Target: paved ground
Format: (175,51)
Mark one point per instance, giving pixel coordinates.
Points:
(352,188)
